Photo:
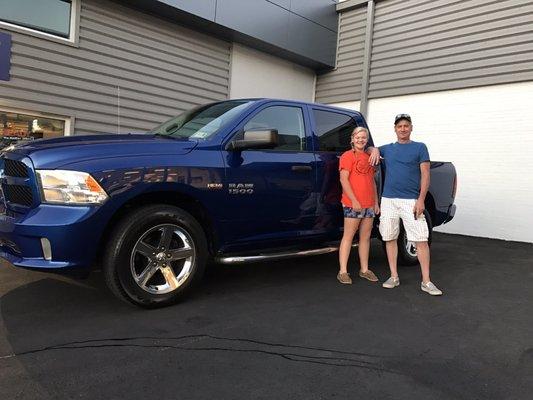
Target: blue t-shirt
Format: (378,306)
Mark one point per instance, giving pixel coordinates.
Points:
(402,169)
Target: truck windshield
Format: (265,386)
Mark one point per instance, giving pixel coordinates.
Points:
(201,122)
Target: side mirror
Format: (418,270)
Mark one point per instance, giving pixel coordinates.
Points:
(255,139)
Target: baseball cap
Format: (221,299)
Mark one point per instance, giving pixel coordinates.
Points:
(402,116)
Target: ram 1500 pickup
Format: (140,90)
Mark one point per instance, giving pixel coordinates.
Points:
(233,181)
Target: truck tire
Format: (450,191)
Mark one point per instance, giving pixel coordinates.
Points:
(407,250)
(155,255)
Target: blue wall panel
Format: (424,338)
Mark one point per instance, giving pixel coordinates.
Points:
(319,11)
(311,40)
(259,19)
(5,55)
(303,31)
(203,8)
(282,3)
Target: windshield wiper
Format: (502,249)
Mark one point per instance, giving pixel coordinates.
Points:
(166,136)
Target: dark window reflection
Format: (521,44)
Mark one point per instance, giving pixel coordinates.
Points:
(333,130)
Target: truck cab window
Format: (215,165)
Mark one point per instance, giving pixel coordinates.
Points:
(289,122)
(333,130)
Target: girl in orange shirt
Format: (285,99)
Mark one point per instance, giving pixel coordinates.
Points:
(360,205)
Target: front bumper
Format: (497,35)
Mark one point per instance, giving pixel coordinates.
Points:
(73,234)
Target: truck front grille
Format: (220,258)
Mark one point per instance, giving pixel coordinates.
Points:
(18,194)
(16,181)
(15,168)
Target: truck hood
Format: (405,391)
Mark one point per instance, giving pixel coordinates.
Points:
(59,152)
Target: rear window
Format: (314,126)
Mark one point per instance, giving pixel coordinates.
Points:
(333,130)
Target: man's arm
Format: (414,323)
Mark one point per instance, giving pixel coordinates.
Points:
(374,154)
(376,199)
(424,187)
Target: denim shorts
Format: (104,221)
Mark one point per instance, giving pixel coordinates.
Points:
(349,212)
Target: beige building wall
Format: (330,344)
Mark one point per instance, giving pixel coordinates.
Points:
(257,74)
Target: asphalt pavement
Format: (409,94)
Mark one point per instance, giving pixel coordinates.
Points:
(283,330)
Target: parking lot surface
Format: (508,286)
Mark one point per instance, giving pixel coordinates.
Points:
(284,330)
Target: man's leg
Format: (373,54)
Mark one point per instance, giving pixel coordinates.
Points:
(392,256)
(389,228)
(417,231)
(422,252)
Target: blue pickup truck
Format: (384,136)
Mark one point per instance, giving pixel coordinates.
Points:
(233,181)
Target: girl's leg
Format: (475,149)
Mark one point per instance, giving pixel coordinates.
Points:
(350,227)
(365,230)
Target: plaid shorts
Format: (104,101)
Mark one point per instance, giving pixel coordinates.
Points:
(349,212)
(392,210)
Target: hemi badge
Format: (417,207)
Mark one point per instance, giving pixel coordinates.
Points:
(215,186)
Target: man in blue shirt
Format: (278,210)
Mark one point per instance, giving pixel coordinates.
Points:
(406,184)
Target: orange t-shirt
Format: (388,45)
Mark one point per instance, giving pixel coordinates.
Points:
(361,178)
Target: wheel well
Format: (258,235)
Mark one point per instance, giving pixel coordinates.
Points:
(429,203)
(187,203)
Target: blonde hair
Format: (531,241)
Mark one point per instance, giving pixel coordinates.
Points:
(360,129)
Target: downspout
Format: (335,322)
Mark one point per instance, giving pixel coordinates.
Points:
(367,58)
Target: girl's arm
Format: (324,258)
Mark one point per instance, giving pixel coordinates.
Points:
(347,188)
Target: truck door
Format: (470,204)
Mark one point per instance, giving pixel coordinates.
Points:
(332,133)
(270,198)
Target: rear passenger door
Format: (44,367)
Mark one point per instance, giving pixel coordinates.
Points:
(331,132)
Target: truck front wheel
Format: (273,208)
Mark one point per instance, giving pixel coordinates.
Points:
(155,255)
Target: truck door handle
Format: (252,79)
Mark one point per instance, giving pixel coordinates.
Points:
(301,168)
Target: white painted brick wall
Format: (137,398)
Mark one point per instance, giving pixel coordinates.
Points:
(487,133)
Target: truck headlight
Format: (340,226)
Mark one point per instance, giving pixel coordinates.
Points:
(70,187)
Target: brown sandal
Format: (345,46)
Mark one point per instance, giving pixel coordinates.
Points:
(344,278)
(368,275)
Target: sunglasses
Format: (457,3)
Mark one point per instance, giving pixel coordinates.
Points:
(402,116)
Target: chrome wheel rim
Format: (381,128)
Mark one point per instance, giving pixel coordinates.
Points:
(162,259)
(410,247)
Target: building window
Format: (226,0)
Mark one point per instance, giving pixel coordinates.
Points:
(333,130)
(15,127)
(52,18)
(288,121)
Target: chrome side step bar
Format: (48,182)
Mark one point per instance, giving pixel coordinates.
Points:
(277,256)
